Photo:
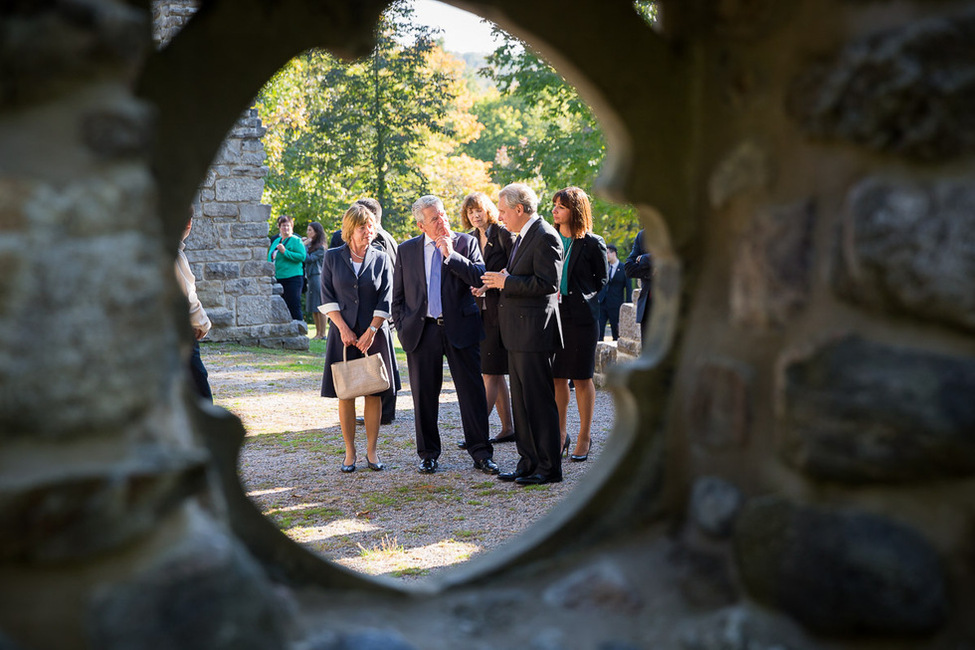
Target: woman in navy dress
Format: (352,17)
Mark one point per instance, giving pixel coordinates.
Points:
(480,216)
(584,272)
(357,286)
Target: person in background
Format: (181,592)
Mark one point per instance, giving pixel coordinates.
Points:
(437,317)
(357,285)
(613,295)
(384,242)
(480,216)
(528,316)
(584,271)
(288,254)
(639,265)
(314,255)
(198,317)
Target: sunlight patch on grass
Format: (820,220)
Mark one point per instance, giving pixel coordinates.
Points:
(305,534)
(400,561)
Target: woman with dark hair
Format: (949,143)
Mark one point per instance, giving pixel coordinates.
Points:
(315,250)
(357,289)
(288,254)
(584,272)
(479,216)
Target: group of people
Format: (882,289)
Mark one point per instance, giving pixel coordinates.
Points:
(513,296)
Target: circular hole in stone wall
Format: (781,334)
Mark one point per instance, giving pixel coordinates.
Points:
(414,118)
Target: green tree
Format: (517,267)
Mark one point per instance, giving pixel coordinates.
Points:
(338,131)
(546,135)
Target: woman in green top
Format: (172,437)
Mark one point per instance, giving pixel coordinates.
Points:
(288,254)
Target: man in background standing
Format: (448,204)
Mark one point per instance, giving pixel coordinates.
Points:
(613,295)
(639,265)
(198,316)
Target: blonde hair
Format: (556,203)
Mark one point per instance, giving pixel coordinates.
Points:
(476,200)
(357,215)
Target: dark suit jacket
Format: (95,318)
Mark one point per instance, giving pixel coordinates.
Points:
(641,270)
(496,252)
(616,291)
(359,296)
(587,269)
(383,241)
(528,312)
(461,271)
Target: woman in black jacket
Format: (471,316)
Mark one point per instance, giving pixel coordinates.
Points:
(584,272)
(479,215)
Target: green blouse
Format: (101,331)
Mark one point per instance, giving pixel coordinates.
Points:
(567,248)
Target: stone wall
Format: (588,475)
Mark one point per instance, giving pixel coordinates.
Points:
(227,248)
(793,462)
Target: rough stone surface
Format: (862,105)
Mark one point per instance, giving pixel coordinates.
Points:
(80,516)
(907,91)
(211,595)
(742,627)
(770,277)
(714,505)
(718,405)
(854,410)
(745,169)
(367,640)
(601,586)
(840,572)
(909,248)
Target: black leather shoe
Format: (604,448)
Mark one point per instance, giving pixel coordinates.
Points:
(487,465)
(508,438)
(428,466)
(349,468)
(378,466)
(462,444)
(537,479)
(509,477)
(386,420)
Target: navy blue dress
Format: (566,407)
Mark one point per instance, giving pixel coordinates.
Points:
(358,297)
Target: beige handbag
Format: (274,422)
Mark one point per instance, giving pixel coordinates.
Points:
(365,376)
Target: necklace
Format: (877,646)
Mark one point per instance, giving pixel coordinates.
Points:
(358,258)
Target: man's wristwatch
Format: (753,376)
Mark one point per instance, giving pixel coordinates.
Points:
(373,328)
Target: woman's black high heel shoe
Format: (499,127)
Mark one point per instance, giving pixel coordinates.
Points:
(349,468)
(377,466)
(578,458)
(565,446)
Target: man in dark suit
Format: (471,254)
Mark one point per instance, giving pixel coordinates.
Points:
(614,294)
(436,316)
(528,316)
(639,265)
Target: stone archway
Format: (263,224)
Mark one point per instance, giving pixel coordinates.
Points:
(802,440)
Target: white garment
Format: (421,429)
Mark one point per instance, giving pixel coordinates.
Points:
(187,283)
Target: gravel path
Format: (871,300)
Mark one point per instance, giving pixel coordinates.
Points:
(396,522)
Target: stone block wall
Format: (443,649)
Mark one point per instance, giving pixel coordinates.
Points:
(227,248)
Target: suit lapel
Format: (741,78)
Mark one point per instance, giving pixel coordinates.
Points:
(525,239)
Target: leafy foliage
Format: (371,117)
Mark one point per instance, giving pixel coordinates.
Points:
(411,119)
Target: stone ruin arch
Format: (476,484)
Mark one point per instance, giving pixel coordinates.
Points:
(792,465)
